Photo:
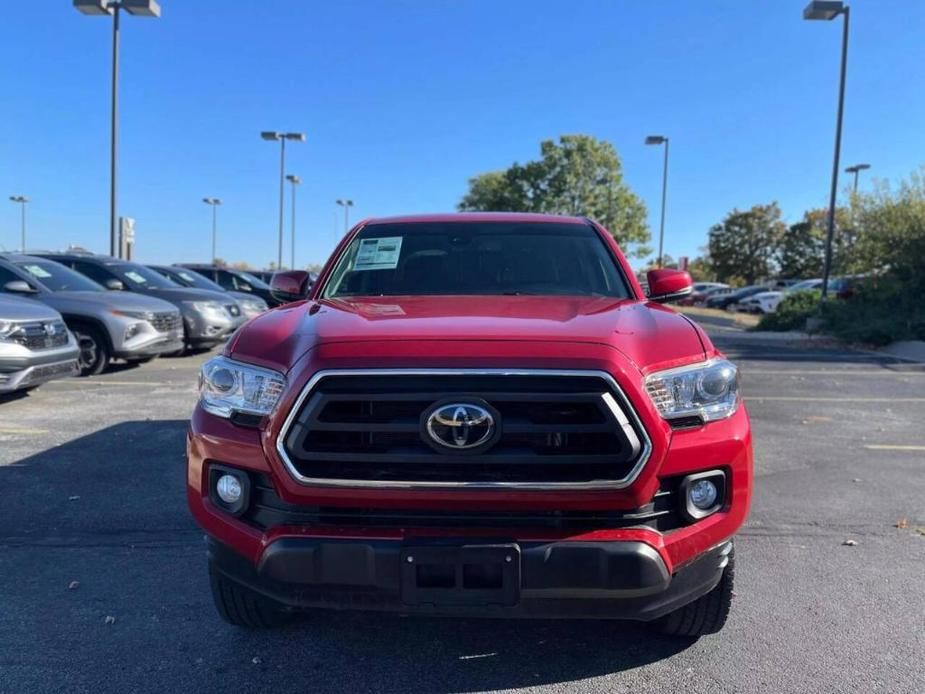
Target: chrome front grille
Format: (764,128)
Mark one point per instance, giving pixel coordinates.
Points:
(557,430)
(41,335)
(166,321)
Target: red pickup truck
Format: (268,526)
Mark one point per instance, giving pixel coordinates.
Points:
(473,415)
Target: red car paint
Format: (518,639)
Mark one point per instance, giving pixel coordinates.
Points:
(626,338)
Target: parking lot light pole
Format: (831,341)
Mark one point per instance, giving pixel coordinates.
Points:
(214,202)
(856,169)
(22,200)
(294,180)
(828,10)
(346,204)
(282,137)
(661,140)
(137,8)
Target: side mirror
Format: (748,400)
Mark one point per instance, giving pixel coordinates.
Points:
(290,286)
(668,285)
(115,285)
(19,287)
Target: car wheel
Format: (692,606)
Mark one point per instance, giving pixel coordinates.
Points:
(94,353)
(243,607)
(706,615)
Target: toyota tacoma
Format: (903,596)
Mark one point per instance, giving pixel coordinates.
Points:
(473,415)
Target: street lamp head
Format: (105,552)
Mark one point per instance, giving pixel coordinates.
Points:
(345,203)
(295,136)
(141,8)
(92,7)
(656,139)
(823,9)
(19,198)
(270,135)
(857,167)
(212,201)
(292,178)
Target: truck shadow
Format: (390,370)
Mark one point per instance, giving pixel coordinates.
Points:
(108,511)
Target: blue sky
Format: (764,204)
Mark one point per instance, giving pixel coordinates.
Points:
(402,102)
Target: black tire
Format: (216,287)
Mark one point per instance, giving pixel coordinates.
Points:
(94,351)
(243,607)
(706,615)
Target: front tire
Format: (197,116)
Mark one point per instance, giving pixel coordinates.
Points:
(243,607)
(706,615)
(94,352)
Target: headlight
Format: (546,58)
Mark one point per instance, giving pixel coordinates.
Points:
(227,386)
(138,315)
(709,391)
(7,328)
(207,307)
(253,306)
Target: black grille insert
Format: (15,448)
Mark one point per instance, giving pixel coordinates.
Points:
(165,322)
(555,429)
(38,336)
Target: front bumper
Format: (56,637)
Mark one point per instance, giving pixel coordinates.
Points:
(207,329)
(36,373)
(150,346)
(586,580)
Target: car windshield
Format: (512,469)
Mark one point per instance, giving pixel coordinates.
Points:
(191,279)
(58,278)
(142,277)
(464,258)
(253,280)
(805,284)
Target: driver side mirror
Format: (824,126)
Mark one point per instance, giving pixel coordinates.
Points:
(19,287)
(115,285)
(293,285)
(668,285)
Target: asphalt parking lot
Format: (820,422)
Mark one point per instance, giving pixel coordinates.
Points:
(103,577)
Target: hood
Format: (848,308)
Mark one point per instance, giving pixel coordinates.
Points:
(23,309)
(243,296)
(87,302)
(178,294)
(647,333)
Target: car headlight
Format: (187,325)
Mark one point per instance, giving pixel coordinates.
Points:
(138,315)
(253,306)
(7,328)
(227,386)
(212,307)
(709,390)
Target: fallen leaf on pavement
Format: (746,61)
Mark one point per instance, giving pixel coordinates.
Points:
(902,524)
(109,619)
(850,543)
(72,585)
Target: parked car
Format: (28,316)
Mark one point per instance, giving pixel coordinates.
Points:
(235,280)
(250,305)
(35,345)
(730,301)
(263,275)
(473,415)
(699,292)
(767,302)
(208,317)
(106,325)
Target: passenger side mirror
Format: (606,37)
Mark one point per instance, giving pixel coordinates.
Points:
(667,285)
(19,287)
(290,286)
(115,285)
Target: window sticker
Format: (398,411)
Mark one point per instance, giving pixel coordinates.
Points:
(37,271)
(378,254)
(135,277)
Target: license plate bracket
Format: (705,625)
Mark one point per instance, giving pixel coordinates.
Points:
(461,575)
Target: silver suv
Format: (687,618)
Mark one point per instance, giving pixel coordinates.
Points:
(35,345)
(107,325)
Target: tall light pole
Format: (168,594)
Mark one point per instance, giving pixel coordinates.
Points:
(214,202)
(661,140)
(856,169)
(138,8)
(22,200)
(294,180)
(282,137)
(828,10)
(346,204)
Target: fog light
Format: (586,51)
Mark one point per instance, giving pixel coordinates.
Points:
(229,489)
(702,493)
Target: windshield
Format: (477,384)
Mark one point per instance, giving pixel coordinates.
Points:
(141,276)
(191,279)
(476,258)
(805,284)
(58,278)
(253,280)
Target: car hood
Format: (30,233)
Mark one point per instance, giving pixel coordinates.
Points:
(647,333)
(243,296)
(67,301)
(23,309)
(178,294)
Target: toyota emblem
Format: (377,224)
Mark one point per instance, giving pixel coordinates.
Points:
(459,426)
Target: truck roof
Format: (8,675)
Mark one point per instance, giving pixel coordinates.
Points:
(478,217)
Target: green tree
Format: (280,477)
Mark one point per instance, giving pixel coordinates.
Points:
(802,248)
(745,243)
(579,175)
(701,269)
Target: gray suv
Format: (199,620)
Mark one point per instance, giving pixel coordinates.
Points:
(208,317)
(35,345)
(250,305)
(107,325)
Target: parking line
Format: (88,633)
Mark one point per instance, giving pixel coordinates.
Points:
(796,398)
(844,372)
(893,447)
(75,382)
(27,432)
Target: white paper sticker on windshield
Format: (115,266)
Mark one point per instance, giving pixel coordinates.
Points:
(378,254)
(135,277)
(37,271)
